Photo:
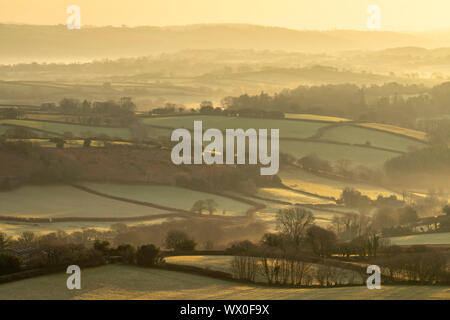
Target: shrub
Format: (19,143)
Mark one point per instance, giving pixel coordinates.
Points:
(9,263)
(148,256)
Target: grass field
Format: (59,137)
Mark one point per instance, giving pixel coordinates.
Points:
(334,152)
(75,129)
(128,282)
(15,229)
(305,181)
(66,201)
(355,135)
(418,239)
(314,117)
(288,129)
(169,196)
(290,196)
(398,130)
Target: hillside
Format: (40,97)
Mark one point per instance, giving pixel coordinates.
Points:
(26,42)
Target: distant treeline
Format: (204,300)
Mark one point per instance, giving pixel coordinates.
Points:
(390,103)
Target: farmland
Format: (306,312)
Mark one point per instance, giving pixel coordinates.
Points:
(127,282)
(288,129)
(302,180)
(174,197)
(358,135)
(422,239)
(75,129)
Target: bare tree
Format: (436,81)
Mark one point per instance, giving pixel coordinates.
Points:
(293,222)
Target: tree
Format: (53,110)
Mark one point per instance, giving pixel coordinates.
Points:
(27,238)
(5,240)
(127,252)
(199,206)
(446,210)
(407,215)
(148,256)
(102,246)
(293,222)
(179,240)
(322,241)
(211,205)
(9,263)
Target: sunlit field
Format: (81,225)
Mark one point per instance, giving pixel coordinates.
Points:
(419,239)
(127,282)
(399,130)
(355,135)
(290,196)
(313,117)
(302,180)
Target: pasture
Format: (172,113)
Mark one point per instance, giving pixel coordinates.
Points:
(314,117)
(334,152)
(65,201)
(421,239)
(76,129)
(173,197)
(116,282)
(398,130)
(359,135)
(288,129)
(303,180)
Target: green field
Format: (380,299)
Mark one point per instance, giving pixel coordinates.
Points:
(15,229)
(66,201)
(75,129)
(418,239)
(299,179)
(288,129)
(116,282)
(398,130)
(355,135)
(173,197)
(334,152)
(290,196)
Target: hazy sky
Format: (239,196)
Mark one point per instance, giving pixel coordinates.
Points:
(298,14)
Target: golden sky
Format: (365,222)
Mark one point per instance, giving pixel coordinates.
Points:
(398,15)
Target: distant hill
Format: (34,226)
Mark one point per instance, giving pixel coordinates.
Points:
(27,43)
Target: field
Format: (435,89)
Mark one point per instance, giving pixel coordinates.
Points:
(75,129)
(355,135)
(65,201)
(288,129)
(418,239)
(313,117)
(302,180)
(15,229)
(290,196)
(398,130)
(128,282)
(334,152)
(173,197)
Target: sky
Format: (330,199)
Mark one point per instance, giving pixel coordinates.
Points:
(396,15)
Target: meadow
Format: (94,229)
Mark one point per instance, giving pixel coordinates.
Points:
(359,135)
(76,129)
(419,135)
(173,197)
(60,201)
(420,239)
(288,129)
(303,180)
(129,282)
(333,152)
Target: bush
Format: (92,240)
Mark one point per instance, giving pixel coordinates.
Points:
(178,240)
(148,256)
(9,263)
